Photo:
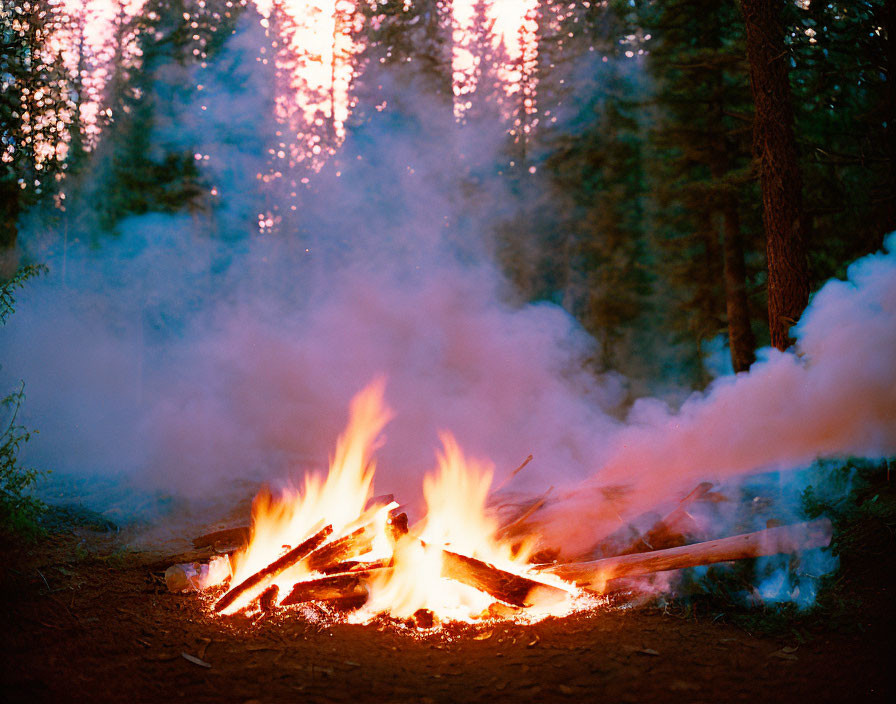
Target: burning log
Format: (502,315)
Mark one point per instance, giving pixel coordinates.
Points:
(267,601)
(349,586)
(345,548)
(772,541)
(264,576)
(504,586)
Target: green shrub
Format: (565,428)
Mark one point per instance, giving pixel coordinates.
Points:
(19,510)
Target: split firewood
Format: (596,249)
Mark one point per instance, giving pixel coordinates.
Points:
(772,541)
(504,586)
(345,548)
(356,566)
(228,537)
(350,586)
(263,577)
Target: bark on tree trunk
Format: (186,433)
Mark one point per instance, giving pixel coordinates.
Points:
(889,22)
(740,335)
(779,173)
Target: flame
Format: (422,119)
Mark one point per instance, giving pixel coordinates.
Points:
(338,501)
(457,519)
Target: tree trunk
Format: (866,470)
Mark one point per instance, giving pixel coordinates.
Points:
(775,148)
(889,23)
(740,335)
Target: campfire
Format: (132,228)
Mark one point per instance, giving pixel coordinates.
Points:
(332,543)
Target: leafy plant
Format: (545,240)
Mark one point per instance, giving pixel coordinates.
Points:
(19,510)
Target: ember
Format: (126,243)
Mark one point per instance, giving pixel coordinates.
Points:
(333,542)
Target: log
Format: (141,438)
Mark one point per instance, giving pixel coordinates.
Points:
(345,548)
(505,586)
(264,576)
(772,541)
(336,587)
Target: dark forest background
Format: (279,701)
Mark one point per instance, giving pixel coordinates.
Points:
(630,180)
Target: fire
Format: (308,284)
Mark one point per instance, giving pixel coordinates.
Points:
(442,564)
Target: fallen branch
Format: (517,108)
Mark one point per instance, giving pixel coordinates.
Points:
(772,541)
(263,577)
(504,586)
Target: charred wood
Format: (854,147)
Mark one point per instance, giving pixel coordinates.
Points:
(337,587)
(504,586)
(264,576)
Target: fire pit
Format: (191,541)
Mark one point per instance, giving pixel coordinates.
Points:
(332,544)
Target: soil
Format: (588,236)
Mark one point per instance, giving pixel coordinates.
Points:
(84,620)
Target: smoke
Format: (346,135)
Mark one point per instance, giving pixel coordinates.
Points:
(833,396)
(185,361)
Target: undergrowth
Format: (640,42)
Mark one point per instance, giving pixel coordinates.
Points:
(19,509)
(859,498)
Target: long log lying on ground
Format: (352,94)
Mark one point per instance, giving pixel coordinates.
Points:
(772,541)
(266,575)
(504,586)
(336,587)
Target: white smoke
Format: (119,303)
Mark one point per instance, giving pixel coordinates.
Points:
(833,396)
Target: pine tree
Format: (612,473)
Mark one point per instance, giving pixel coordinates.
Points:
(779,171)
(700,170)
(35,111)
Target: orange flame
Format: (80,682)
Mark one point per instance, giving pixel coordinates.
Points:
(457,519)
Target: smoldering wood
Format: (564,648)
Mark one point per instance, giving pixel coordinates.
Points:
(267,600)
(772,541)
(349,586)
(504,586)
(265,575)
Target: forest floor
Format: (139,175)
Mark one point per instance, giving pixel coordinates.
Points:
(84,619)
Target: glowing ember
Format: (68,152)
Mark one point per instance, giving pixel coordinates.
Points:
(329,541)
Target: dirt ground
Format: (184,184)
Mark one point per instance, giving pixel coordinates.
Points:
(85,621)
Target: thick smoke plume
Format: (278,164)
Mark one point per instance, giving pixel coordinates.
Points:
(833,396)
(188,361)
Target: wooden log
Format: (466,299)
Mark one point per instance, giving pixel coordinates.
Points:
(772,541)
(504,586)
(263,577)
(229,537)
(345,548)
(336,587)
(356,566)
